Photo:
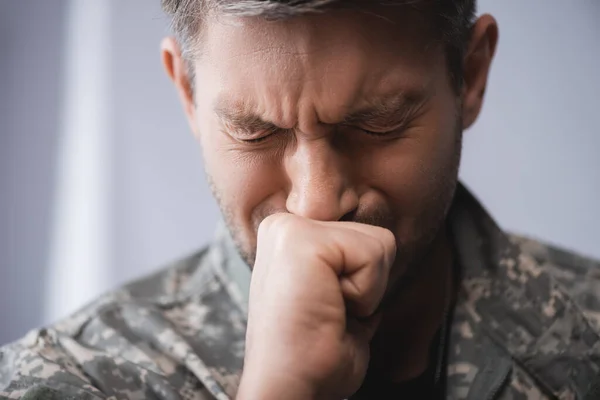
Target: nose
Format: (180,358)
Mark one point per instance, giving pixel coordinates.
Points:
(321,184)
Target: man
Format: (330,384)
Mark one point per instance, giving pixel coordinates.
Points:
(331,132)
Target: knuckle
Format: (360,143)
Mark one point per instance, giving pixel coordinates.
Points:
(388,243)
(388,240)
(274,224)
(379,253)
(280,230)
(368,290)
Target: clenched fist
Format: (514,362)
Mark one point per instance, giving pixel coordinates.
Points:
(314,291)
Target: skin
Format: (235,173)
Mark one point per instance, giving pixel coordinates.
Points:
(328,139)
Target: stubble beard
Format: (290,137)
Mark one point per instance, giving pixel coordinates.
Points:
(410,255)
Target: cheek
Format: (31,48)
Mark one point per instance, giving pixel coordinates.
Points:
(413,171)
(242,182)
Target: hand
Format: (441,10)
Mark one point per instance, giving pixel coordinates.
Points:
(315,287)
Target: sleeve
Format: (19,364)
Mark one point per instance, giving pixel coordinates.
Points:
(37,368)
(47,364)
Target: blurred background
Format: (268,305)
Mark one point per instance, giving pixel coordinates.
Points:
(101,181)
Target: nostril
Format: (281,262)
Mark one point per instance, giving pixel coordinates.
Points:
(349,216)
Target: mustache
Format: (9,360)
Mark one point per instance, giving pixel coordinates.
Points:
(375,216)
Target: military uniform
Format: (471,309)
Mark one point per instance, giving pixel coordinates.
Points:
(525,326)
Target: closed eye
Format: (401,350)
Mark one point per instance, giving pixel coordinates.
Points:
(372,133)
(250,134)
(393,133)
(258,139)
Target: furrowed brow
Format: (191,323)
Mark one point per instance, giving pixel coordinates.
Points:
(242,119)
(388,111)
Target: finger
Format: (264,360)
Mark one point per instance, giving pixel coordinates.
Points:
(385,236)
(362,268)
(364,328)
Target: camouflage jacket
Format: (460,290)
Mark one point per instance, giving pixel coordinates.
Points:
(526,326)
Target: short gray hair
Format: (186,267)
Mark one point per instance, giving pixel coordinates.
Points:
(452,19)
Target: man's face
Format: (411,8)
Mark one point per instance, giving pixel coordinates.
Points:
(345,115)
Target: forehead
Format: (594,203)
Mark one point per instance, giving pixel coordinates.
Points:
(332,60)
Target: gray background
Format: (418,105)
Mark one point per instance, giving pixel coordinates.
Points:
(531,158)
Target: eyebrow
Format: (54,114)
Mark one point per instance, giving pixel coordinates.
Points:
(387,112)
(390,111)
(242,117)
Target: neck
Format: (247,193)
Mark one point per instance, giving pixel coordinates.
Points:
(400,349)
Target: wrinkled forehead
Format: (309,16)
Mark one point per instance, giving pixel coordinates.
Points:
(334,57)
(404,27)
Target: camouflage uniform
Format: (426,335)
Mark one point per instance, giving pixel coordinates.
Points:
(525,326)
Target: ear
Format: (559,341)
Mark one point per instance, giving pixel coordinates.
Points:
(477,62)
(176,68)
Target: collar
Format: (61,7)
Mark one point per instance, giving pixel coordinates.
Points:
(510,310)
